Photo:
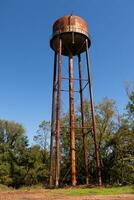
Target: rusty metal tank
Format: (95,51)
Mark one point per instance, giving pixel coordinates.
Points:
(73,31)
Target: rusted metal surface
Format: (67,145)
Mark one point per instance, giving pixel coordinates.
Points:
(58,120)
(82,120)
(93,117)
(72,121)
(85,127)
(73,30)
(70,37)
(75,79)
(53,123)
(70,23)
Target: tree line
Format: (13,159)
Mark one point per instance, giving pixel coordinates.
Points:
(25,165)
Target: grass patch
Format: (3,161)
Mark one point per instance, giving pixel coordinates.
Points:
(73,191)
(4,188)
(33,187)
(99,191)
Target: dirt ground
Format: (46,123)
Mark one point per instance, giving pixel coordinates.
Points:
(48,195)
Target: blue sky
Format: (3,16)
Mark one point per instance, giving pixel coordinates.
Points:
(26,60)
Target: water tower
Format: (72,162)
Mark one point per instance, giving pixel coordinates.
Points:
(70,38)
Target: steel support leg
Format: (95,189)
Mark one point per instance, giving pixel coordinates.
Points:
(82,121)
(93,117)
(58,120)
(72,130)
(53,123)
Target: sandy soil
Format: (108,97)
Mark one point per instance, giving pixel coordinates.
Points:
(47,195)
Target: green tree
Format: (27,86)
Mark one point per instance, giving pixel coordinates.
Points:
(130,105)
(43,135)
(106,118)
(36,166)
(122,155)
(13,144)
(42,140)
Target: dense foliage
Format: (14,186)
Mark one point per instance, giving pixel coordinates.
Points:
(21,164)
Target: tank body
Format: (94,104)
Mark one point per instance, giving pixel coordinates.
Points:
(73,31)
